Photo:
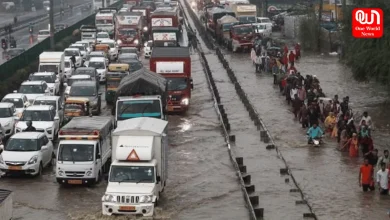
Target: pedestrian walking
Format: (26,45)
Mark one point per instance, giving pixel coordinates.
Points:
(365,176)
(382,178)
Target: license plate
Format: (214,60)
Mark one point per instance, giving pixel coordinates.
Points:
(170,108)
(75,181)
(14,167)
(127,208)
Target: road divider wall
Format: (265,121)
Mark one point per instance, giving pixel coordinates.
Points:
(265,135)
(247,188)
(16,70)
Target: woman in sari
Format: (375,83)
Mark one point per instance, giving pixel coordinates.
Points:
(353,144)
(343,138)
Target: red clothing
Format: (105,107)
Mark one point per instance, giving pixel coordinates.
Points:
(298,50)
(285,59)
(291,57)
(284,82)
(366,174)
(285,49)
(354,148)
(292,68)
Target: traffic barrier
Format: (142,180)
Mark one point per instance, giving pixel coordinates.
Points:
(27,59)
(244,178)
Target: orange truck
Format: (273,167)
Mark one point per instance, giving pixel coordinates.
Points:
(174,63)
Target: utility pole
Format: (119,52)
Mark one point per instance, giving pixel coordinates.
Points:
(51,18)
(319,24)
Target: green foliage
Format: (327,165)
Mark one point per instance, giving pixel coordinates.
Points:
(368,58)
(308,33)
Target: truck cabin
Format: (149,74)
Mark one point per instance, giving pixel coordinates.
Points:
(245,13)
(75,107)
(89,35)
(134,107)
(243,32)
(165,36)
(226,22)
(216,14)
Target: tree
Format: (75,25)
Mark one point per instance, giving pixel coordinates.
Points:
(368,58)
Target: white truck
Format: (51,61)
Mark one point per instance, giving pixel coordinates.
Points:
(139,168)
(88,33)
(245,13)
(84,150)
(53,62)
(105,21)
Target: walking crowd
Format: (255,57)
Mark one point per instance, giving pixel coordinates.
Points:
(314,110)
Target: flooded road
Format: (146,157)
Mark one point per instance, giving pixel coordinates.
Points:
(328,177)
(202,182)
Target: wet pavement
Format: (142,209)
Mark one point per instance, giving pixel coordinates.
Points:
(328,178)
(202,183)
(25,40)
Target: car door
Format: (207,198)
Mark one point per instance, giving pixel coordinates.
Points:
(98,158)
(44,152)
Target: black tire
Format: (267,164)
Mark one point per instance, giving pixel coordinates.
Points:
(51,163)
(40,170)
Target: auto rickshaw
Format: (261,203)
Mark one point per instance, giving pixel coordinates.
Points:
(114,76)
(102,47)
(76,107)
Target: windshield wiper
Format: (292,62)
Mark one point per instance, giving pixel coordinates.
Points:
(141,180)
(143,111)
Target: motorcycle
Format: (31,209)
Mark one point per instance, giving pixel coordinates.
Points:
(316,142)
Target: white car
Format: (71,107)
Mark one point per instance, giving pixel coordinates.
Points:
(43,34)
(27,153)
(148,49)
(54,101)
(19,100)
(73,79)
(69,52)
(102,36)
(51,79)
(113,52)
(99,63)
(266,21)
(68,69)
(96,54)
(81,47)
(262,29)
(33,89)
(7,117)
(87,45)
(43,118)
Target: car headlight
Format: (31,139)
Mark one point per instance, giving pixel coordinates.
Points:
(136,41)
(33,160)
(108,198)
(145,199)
(145,29)
(49,130)
(119,42)
(89,173)
(185,101)
(60,173)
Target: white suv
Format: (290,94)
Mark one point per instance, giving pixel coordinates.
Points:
(7,117)
(27,153)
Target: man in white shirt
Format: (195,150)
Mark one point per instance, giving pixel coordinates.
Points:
(293,92)
(382,178)
(367,119)
(258,63)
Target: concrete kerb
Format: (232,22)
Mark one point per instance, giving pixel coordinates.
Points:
(250,200)
(266,137)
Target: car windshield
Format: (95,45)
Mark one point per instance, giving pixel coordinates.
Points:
(5,113)
(72,80)
(69,53)
(67,64)
(88,36)
(46,102)
(15,144)
(15,52)
(132,174)
(90,73)
(175,84)
(73,107)
(17,102)
(243,30)
(46,78)
(48,68)
(97,65)
(247,20)
(128,32)
(135,66)
(31,89)
(76,152)
(266,20)
(103,21)
(128,56)
(129,50)
(43,33)
(137,108)
(83,91)
(103,35)
(260,27)
(226,27)
(37,115)
(81,48)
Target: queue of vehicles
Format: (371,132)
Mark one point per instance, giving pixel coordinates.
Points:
(132,146)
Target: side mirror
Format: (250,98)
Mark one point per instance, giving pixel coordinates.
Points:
(15,91)
(56,118)
(47,91)
(66,84)
(26,104)
(57,81)
(98,156)
(44,147)
(158,179)
(100,93)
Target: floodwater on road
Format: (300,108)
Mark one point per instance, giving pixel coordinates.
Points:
(328,177)
(202,183)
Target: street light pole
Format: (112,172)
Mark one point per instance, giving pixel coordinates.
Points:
(51,18)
